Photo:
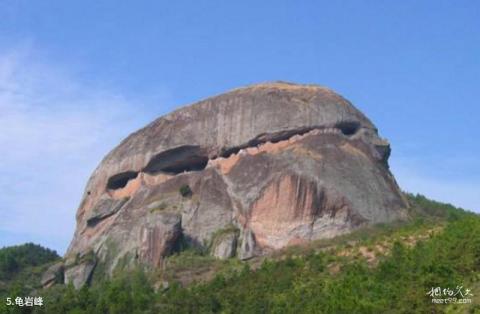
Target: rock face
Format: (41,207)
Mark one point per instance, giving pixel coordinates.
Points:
(241,174)
(53,275)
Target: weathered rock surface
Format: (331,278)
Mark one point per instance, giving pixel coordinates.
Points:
(282,163)
(53,275)
(79,274)
(225,244)
(104,208)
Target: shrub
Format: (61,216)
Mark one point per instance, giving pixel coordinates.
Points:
(185,191)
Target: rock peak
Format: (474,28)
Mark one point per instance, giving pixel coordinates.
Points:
(283,85)
(240,174)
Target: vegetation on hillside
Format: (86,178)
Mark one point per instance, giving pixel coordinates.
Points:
(422,207)
(382,269)
(21,268)
(14,259)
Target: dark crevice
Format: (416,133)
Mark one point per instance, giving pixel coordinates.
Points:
(193,158)
(186,242)
(348,127)
(120,180)
(264,138)
(104,209)
(226,152)
(178,160)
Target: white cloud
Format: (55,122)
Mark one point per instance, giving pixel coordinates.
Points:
(54,130)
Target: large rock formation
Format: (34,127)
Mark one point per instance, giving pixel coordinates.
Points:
(240,174)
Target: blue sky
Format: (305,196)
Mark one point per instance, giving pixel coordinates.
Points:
(78,76)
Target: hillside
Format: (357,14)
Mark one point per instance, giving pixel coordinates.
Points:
(22,266)
(378,269)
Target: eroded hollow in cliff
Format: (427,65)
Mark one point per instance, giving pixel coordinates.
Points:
(187,158)
(178,160)
(348,127)
(120,180)
(266,137)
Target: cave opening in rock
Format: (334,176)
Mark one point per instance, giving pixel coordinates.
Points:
(348,128)
(120,180)
(194,163)
(178,160)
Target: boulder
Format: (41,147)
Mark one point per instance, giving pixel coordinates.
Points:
(283,163)
(53,275)
(80,274)
(225,244)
